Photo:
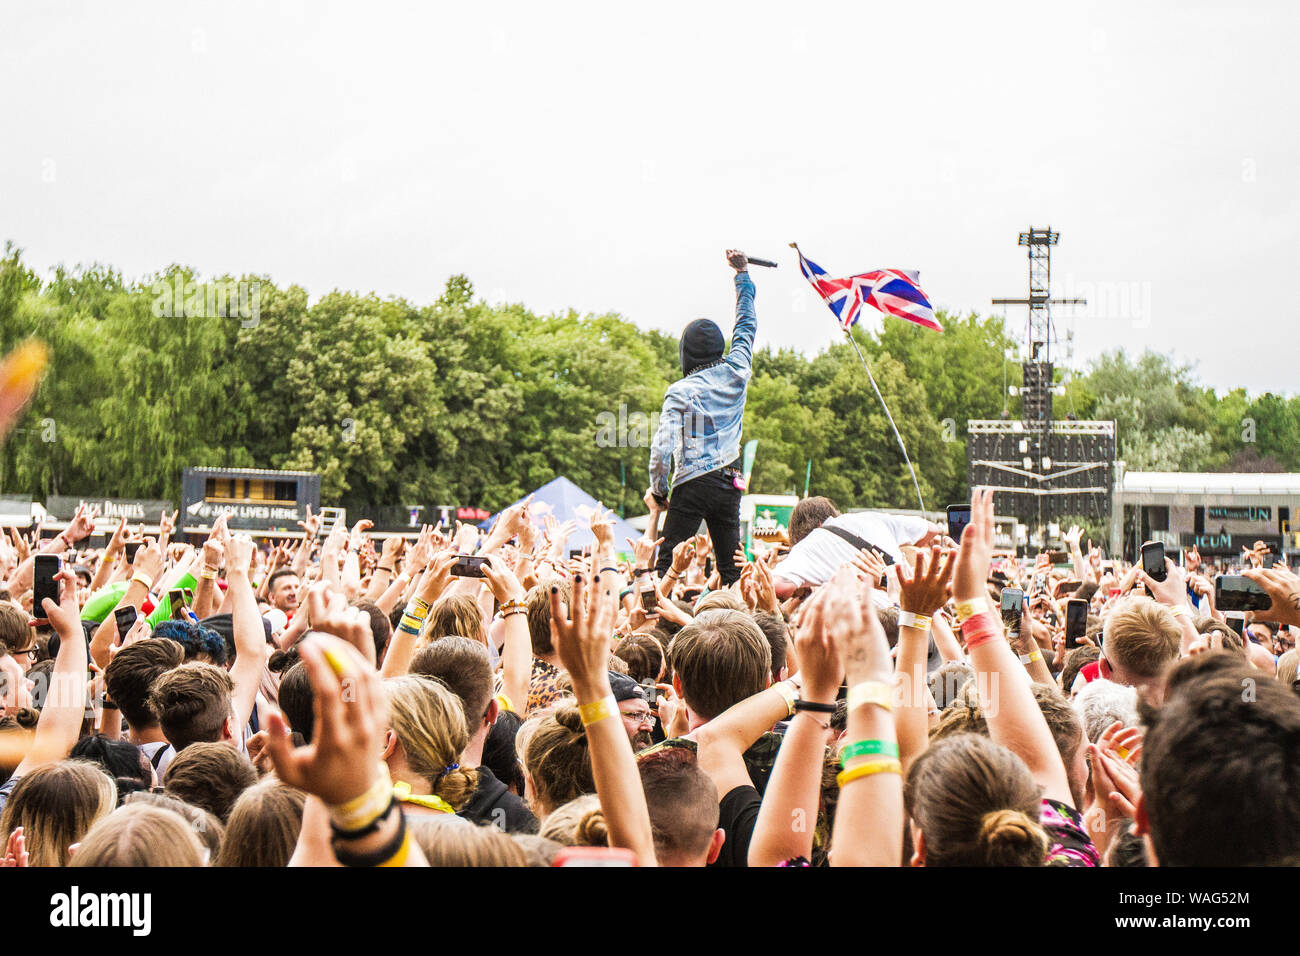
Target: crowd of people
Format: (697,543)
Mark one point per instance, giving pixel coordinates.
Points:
(487,699)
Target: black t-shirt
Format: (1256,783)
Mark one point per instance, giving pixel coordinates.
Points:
(737,814)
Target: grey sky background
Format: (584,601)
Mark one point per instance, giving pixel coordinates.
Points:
(601,157)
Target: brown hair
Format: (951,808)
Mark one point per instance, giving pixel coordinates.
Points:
(192,703)
(264,825)
(539,614)
(721,658)
(211,776)
(297,700)
(1231,639)
(429,721)
(644,656)
(56,805)
(456,614)
(683,804)
(976,804)
(809,515)
(139,835)
(1075,661)
(131,674)
(463,666)
(450,841)
(720,601)
(558,759)
(1142,637)
(14,632)
(1219,772)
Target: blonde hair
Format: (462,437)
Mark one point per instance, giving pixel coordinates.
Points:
(452,841)
(206,827)
(141,835)
(1142,637)
(559,760)
(458,615)
(429,721)
(264,825)
(579,822)
(56,805)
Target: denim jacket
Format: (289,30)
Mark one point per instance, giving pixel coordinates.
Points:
(700,425)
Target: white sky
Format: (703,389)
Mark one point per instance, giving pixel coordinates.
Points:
(601,156)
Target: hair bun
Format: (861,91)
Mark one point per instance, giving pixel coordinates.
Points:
(591,829)
(1010,838)
(571,720)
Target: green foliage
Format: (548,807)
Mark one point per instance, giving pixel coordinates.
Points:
(461,402)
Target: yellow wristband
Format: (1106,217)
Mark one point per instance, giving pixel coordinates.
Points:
(597,710)
(1035,656)
(871,692)
(966,609)
(786,690)
(403,851)
(1181,610)
(208,574)
(911,619)
(141,578)
(888,765)
(359,812)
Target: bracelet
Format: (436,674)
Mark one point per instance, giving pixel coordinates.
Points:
(508,606)
(208,574)
(786,689)
(382,568)
(640,571)
(968,609)
(109,705)
(888,765)
(872,692)
(866,748)
(514,610)
(597,710)
(141,578)
(808,713)
(911,619)
(392,853)
(816,708)
(980,629)
(609,567)
(673,573)
(366,830)
(360,812)
(1030,658)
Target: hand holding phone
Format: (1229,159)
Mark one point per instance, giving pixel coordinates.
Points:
(1076,622)
(958,519)
(44,584)
(1153,560)
(468,566)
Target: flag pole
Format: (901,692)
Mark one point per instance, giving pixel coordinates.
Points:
(888,414)
(915,484)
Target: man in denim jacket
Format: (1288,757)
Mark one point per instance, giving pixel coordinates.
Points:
(699,429)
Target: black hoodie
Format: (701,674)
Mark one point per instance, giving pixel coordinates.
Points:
(492,802)
(701,345)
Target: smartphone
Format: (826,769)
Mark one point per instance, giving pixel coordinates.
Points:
(1153,560)
(176,597)
(575,554)
(468,566)
(131,548)
(650,601)
(958,519)
(1040,581)
(1237,624)
(1076,622)
(125,619)
(1236,592)
(594,856)
(43,584)
(1068,587)
(1013,600)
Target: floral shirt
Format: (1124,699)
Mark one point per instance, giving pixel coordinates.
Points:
(1070,843)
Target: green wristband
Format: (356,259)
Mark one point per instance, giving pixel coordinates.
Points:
(863,748)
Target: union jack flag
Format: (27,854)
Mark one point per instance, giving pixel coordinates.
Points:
(892,291)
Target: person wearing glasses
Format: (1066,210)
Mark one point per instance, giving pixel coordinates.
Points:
(638,720)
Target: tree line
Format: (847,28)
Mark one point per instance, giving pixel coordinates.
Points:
(462,402)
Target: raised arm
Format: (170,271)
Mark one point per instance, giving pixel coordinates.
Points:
(924,588)
(741,355)
(1014,718)
(517,651)
(64,707)
(583,647)
(250,636)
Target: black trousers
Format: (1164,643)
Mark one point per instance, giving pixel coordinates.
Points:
(715,500)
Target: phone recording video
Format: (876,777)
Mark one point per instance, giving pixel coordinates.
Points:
(1012,605)
(958,519)
(1153,560)
(468,566)
(125,617)
(176,598)
(43,584)
(1236,592)
(1076,622)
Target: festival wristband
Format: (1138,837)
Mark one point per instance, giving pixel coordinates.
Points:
(869,748)
(1030,658)
(141,578)
(1182,610)
(208,574)
(911,619)
(786,690)
(867,769)
(968,609)
(980,629)
(871,692)
(359,812)
(597,710)
(814,707)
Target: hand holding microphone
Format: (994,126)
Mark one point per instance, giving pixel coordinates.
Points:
(739,261)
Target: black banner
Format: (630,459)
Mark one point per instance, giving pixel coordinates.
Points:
(135,510)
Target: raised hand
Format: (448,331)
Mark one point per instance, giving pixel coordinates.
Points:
(871,565)
(83,523)
(601,523)
(239,554)
(148,560)
(976,549)
(1282,586)
(358,533)
(643,550)
(582,641)
(329,611)
(502,580)
(849,613)
(736,259)
(924,588)
(15,850)
(310,527)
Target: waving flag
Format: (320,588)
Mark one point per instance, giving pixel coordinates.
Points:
(892,291)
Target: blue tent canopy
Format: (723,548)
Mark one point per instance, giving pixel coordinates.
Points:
(565,501)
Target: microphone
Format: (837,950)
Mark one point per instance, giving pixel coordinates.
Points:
(768,263)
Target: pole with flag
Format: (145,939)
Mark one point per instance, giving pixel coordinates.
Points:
(892,291)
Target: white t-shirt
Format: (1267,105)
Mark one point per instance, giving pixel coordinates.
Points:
(816,558)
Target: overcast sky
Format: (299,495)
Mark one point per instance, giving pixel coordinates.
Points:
(600,157)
